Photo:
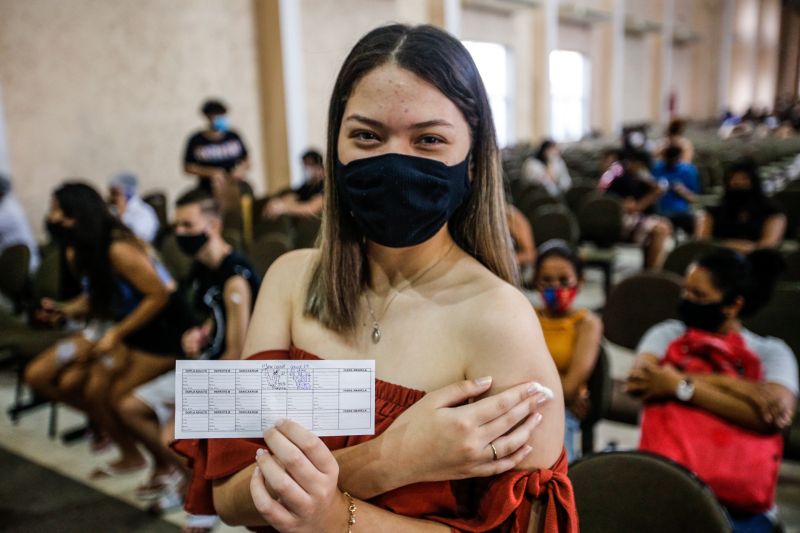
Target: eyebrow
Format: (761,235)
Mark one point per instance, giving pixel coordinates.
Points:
(419,125)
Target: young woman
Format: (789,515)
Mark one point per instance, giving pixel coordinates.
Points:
(680,183)
(548,169)
(746,219)
(134,326)
(721,288)
(572,335)
(414,271)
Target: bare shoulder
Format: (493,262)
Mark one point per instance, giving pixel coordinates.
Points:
(591,323)
(286,273)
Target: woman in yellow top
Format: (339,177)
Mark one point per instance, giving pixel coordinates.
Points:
(572,335)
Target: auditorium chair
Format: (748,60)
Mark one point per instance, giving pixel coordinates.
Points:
(554,222)
(635,305)
(683,255)
(642,492)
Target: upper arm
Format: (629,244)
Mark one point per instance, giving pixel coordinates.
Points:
(134,265)
(237,298)
(508,345)
(587,347)
(707,227)
(657,339)
(270,325)
(773,230)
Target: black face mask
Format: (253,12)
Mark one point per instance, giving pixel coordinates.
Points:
(401,200)
(59,233)
(738,197)
(708,317)
(191,244)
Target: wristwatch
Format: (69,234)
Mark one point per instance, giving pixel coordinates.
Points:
(685,390)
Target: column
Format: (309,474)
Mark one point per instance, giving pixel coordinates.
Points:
(300,395)
(273,396)
(354,395)
(326,399)
(725,55)
(544,33)
(248,399)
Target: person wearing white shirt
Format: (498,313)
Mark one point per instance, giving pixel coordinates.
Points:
(134,212)
(548,169)
(14,225)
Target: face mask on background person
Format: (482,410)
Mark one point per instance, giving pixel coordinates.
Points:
(220,123)
(401,200)
(558,300)
(191,244)
(708,317)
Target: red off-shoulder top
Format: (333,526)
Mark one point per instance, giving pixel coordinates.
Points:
(499,503)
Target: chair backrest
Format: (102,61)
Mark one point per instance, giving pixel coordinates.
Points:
(554,222)
(264,225)
(14,271)
(789,200)
(158,201)
(681,257)
(578,194)
(267,248)
(600,220)
(599,386)
(178,263)
(639,302)
(780,317)
(306,230)
(642,492)
(792,272)
(46,281)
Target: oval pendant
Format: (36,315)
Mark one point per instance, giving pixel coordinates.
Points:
(376,335)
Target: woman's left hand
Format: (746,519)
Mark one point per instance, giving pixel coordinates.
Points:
(652,381)
(107,342)
(295,486)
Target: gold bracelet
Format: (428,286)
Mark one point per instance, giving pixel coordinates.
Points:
(351,510)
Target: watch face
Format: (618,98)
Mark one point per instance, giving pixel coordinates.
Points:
(685,390)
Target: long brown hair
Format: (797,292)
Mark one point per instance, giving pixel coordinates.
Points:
(479,226)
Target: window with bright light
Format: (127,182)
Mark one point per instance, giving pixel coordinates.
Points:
(493,60)
(569,95)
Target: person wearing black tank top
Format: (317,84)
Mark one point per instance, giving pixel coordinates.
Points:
(223,286)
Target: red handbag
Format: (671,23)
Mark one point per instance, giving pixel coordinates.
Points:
(739,465)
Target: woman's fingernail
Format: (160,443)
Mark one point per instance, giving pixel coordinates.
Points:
(534,387)
(482,382)
(542,398)
(526,450)
(260,452)
(537,419)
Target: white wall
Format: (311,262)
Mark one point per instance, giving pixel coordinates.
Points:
(92,86)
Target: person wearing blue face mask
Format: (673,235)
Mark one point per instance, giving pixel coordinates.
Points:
(217,156)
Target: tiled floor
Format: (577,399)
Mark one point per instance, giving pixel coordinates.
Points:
(29,437)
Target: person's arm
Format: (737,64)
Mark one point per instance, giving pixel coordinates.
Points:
(522,233)
(293,207)
(649,199)
(775,403)
(772,232)
(652,382)
(202,171)
(236,294)
(706,227)
(132,264)
(584,357)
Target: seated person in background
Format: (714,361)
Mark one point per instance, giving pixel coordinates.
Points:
(14,225)
(224,286)
(134,212)
(522,238)
(680,182)
(572,335)
(547,169)
(675,138)
(305,201)
(721,288)
(639,194)
(135,319)
(410,292)
(218,156)
(745,219)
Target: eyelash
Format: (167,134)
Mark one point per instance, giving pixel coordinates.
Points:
(368,137)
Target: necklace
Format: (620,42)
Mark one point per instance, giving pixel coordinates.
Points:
(376,326)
